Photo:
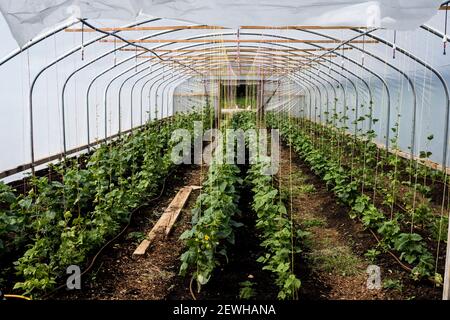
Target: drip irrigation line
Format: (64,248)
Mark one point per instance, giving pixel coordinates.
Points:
(391,253)
(91,264)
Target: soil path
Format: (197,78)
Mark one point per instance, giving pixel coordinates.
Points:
(117,276)
(242,267)
(333,264)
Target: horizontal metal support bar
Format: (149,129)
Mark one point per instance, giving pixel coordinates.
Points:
(235,56)
(184,27)
(59,156)
(273,51)
(220,40)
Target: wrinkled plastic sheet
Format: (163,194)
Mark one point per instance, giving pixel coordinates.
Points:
(28,18)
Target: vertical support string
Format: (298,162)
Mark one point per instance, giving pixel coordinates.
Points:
(445,39)
(394,45)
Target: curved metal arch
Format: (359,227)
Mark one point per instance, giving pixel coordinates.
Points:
(131,102)
(98,58)
(347,78)
(289,102)
(350,72)
(308,89)
(232,33)
(119,104)
(164,83)
(134,85)
(161,82)
(441,79)
(150,90)
(111,68)
(315,60)
(88,99)
(171,85)
(60,58)
(353,74)
(200,63)
(299,80)
(36,41)
(315,101)
(174,88)
(408,78)
(365,68)
(382,80)
(89,89)
(143,77)
(309,95)
(113,34)
(340,85)
(347,70)
(326,93)
(288,38)
(332,87)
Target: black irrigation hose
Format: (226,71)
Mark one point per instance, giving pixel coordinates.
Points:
(116,237)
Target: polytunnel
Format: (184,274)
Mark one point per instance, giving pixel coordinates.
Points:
(160,150)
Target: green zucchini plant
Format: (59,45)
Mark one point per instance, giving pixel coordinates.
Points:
(60,222)
(9,222)
(411,246)
(273,222)
(213,225)
(276,231)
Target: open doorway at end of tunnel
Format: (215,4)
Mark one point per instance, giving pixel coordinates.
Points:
(241,95)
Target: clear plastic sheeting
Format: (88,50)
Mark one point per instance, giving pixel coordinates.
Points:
(192,93)
(101,86)
(28,18)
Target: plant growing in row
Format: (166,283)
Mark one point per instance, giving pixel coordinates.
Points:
(411,246)
(61,222)
(272,219)
(276,232)
(212,223)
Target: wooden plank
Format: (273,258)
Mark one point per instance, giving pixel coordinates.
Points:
(166,221)
(176,206)
(220,40)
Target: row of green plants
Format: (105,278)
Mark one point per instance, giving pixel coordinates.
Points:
(273,222)
(410,190)
(65,217)
(276,229)
(213,226)
(349,189)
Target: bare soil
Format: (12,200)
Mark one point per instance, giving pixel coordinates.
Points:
(117,276)
(333,266)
